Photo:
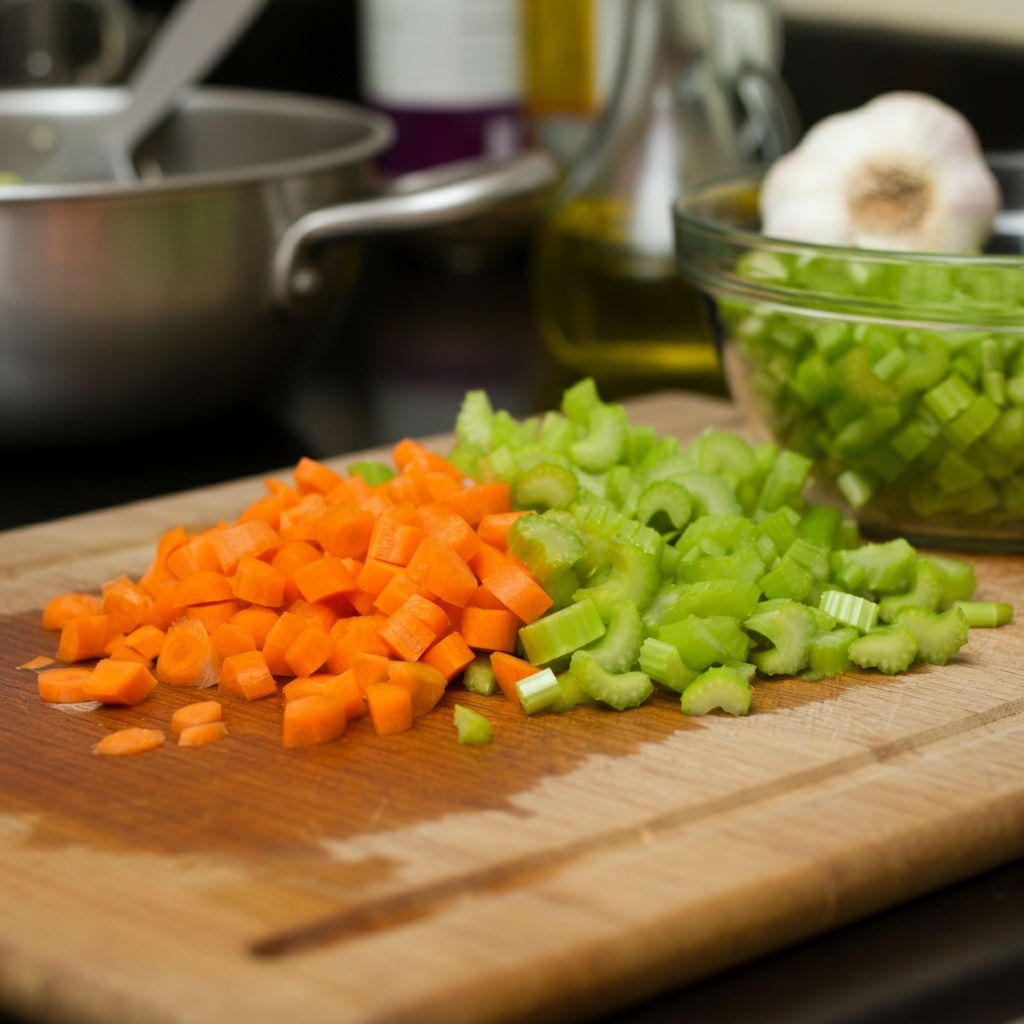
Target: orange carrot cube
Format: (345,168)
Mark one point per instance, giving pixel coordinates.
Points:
(493,529)
(256,621)
(345,530)
(508,671)
(390,707)
(147,640)
(258,583)
(425,684)
(449,656)
(247,675)
(517,590)
(309,650)
(473,503)
(188,658)
(62,609)
(84,637)
(283,634)
(118,682)
(323,580)
(255,538)
(313,476)
(345,688)
(229,640)
(214,615)
(313,720)
(489,629)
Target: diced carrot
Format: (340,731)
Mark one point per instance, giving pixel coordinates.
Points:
(163,612)
(454,614)
(404,512)
(198,555)
(214,615)
(122,653)
(451,529)
(317,612)
(202,735)
(313,720)
(158,574)
(147,640)
(247,675)
(346,689)
(508,671)
(199,713)
(360,636)
(128,741)
(309,650)
(284,633)
(118,682)
(202,588)
(307,687)
(516,588)
(353,491)
(84,637)
(440,485)
(323,579)
(483,598)
(188,658)
(487,561)
(363,602)
(370,668)
(493,529)
(269,509)
(449,655)
(376,575)
(390,707)
(40,661)
(488,629)
(313,476)
(442,572)
(258,583)
(300,521)
(228,640)
(394,542)
(397,592)
(432,615)
(376,504)
(425,684)
(405,451)
(473,503)
(257,621)
(404,488)
(62,609)
(292,556)
(63,685)
(407,635)
(431,462)
(255,538)
(344,531)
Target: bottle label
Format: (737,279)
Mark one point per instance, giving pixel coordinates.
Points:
(442,54)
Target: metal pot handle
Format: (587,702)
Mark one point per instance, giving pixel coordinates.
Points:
(440,196)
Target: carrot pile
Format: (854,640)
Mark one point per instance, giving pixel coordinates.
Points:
(368,598)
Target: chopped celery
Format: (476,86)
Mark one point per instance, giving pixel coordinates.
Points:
(711,494)
(374,473)
(670,559)
(572,694)
(746,565)
(716,688)
(620,691)
(547,548)
(925,592)
(664,601)
(556,433)
(703,641)
(665,505)
(538,691)
(578,400)
(957,578)
(479,676)
(662,663)
(850,610)
(619,648)
(473,423)
(819,525)
(719,534)
(986,613)
(635,577)
(785,480)
(938,637)
(829,652)
(787,579)
(605,441)
(473,728)
(789,626)
(717,597)
(890,649)
(561,589)
(744,668)
(546,486)
(779,529)
(887,567)
(562,632)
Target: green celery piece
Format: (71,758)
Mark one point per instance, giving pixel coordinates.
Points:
(954,473)
(670,558)
(887,567)
(664,505)
(986,613)
(538,691)
(926,365)
(545,486)
(814,380)
(847,536)
(785,480)
(619,648)
(661,661)
(974,421)
(635,577)
(556,433)
(736,598)
(531,455)
(467,458)
(703,641)
(639,442)
(472,727)
(819,525)
(857,488)
(860,383)
(504,430)
(762,265)
(374,473)
(890,649)
(925,592)
(832,337)
(829,652)
(716,451)
(957,578)
(788,579)
(473,423)
(591,485)
(547,548)
(813,557)
(499,465)
(580,399)
(572,694)
(914,438)
(605,441)
(663,602)
(744,668)
(561,633)
(561,589)
(780,528)
(717,688)
(622,488)
(620,691)
(890,364)
(479,676)
(938,637)
(950,398)
(596,522)
(850,610)
(745,564)
(728,532)
(790,627)
(711,495)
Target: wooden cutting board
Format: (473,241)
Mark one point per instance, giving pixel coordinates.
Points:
(577,864)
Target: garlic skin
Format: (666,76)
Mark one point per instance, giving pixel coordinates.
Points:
(904,172)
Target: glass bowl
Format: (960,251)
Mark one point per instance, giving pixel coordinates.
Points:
(900,374)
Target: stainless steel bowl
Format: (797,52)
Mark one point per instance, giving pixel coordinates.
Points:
(124,307)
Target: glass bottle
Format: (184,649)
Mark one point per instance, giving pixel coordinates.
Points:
(608,298)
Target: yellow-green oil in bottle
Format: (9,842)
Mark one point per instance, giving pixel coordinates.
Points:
(608,308)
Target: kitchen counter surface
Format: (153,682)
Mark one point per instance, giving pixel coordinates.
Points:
(414,341)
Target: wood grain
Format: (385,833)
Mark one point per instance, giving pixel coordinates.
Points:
(578,862)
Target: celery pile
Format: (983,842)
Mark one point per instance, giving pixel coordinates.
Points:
(697,569)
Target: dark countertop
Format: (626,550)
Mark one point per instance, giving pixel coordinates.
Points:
(414,339)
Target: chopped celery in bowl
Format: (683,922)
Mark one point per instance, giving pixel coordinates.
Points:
(901,375)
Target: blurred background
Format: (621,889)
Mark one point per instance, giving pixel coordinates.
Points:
(436,313)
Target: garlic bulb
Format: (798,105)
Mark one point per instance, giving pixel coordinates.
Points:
(902,172)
